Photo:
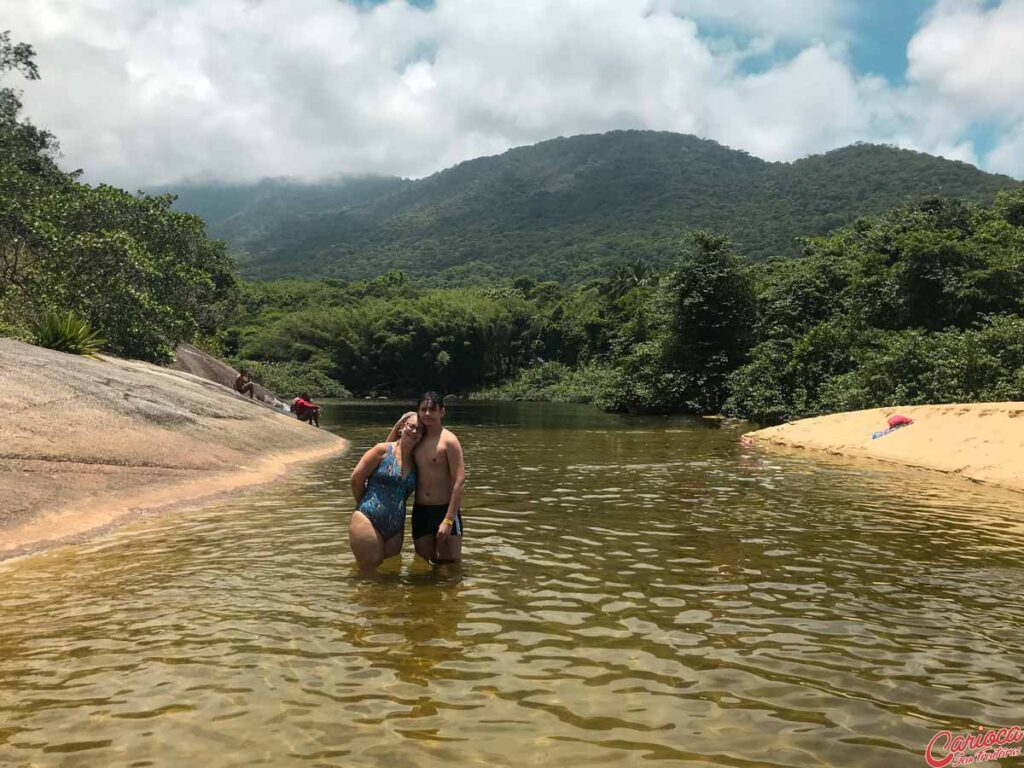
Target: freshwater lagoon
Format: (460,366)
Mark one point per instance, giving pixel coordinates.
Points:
(635,589)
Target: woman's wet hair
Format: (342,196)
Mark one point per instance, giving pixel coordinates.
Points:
(431,398)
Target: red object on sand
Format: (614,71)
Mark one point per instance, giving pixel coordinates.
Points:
(899,421)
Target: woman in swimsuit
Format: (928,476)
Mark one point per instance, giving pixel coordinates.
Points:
(381,482)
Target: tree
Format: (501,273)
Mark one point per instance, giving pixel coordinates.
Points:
(623,279)
(22,145)
(710,304)
(144,276)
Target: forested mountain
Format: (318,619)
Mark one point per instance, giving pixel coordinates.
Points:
(245,213)
(570,208)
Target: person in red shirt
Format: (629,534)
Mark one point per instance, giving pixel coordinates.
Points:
(306,410)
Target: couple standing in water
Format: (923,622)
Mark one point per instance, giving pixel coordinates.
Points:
(419,455)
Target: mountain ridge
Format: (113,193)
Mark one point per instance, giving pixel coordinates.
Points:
(569,207)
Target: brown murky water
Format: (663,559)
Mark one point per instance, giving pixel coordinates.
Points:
(636,590)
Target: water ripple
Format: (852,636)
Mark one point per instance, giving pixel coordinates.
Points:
(634,591)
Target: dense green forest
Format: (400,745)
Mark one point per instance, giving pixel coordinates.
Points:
(243,214)
(923,302)
(130,270)
(570,209)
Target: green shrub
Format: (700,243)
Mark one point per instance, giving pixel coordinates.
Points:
(290,379)
(763,389)
(552,382)
(643,383)
(68,333)
(16,331)
(982,364)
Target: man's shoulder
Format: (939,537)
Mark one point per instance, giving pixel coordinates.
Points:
(448,436)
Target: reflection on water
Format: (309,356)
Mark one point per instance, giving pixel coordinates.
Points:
(634,590)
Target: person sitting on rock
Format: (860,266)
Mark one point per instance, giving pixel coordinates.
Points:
(244,385)
(306,410)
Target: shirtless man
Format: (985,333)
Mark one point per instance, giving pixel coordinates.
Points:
(243,384)
(441,478)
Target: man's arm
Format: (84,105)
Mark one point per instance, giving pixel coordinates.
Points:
(395,430)
(457,468)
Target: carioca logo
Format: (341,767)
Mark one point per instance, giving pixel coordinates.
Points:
(947,748)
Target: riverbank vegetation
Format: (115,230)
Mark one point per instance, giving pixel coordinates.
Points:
(922,304)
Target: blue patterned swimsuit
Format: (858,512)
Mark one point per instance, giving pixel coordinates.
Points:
(386,492)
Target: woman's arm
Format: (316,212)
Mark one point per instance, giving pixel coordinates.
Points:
(371,459)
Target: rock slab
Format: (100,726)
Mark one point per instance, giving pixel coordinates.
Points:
(83,442)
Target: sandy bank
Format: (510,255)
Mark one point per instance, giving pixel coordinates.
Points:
(84,442)
(983,442)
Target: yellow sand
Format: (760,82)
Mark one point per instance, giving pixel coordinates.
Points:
(983,442)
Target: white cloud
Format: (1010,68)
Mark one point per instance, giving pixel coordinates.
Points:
(810,104)
(149,91)
(973,55)
(784,19)
(1008,155)
(968,58)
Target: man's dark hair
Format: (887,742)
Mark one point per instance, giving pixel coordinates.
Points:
(431,397)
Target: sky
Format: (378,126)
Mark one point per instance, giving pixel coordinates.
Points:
(153,92)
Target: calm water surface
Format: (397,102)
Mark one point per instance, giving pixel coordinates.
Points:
(635,590)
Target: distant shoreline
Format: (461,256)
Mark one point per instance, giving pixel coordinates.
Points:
(981,442)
